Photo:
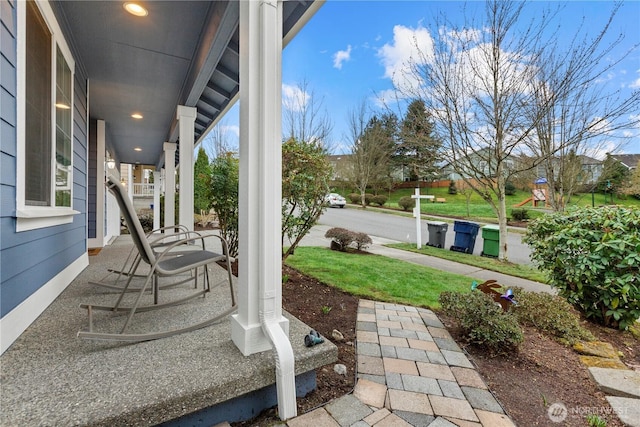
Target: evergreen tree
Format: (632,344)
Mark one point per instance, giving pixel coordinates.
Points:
(418,148)
(201,182)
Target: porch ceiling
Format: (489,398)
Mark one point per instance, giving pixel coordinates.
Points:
(182,53)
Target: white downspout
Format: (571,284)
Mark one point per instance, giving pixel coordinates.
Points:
(270,23)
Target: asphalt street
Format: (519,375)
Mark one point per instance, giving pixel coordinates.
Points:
(376,222)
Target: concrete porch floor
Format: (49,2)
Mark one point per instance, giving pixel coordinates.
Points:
(51,377)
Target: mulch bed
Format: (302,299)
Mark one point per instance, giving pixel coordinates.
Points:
(543,372)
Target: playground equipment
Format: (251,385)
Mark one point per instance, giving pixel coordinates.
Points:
(538,194)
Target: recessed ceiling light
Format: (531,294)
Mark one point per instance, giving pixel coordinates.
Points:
(137,149)
(136,116)
(135,9)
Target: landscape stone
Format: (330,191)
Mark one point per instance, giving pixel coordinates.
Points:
(596,348)
(617,382)
(601,362)
(627,409)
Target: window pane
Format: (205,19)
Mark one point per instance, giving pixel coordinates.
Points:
(38,109)
(63,131)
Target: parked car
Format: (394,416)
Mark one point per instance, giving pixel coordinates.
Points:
(334,199)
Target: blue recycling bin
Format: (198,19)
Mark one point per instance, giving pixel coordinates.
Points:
(465,237)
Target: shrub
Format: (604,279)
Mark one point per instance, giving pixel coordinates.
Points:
(550,314)
(482,321)
(146,220)
(592,256)
(362,241)
(341,238)
(354,197)
(519,214)
(406,203)
(368,198)
(509,188)
(452,187)
(379,199)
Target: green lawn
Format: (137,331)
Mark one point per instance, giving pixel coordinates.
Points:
(479,210)
(377,277)
(517,270)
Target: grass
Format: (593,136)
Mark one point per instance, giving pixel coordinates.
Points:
(517,270)
(479,210)
(377,277)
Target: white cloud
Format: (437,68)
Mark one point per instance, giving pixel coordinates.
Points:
(341,56)
(635,84)
(293,98)
(234,129)
(410,45)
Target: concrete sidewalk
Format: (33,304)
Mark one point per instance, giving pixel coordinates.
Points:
(316,238)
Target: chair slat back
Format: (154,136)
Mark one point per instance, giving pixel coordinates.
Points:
(131,218)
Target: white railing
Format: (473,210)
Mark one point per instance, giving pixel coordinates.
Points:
(142,190)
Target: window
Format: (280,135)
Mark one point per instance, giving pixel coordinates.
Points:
(45,120)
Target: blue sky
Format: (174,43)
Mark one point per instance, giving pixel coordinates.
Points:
(348,50)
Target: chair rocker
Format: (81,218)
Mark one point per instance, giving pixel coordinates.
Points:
(164,263)
(126,270)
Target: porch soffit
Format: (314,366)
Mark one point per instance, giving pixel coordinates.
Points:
(182,53)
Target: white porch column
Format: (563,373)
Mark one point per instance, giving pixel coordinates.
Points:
(157,185)
(186,119)
(130,181)
(259,324)
(169,185)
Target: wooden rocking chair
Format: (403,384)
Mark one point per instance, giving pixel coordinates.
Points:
(163,263)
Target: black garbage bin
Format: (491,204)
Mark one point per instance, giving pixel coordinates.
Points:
(465,237)
(437,233)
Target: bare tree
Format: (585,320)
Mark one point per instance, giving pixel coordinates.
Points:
(574,116)
(218,142)
(477,82)
(304,116)
(371,149)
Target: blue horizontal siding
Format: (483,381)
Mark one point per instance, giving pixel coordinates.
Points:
(20,287)
(7,137)
(29,259)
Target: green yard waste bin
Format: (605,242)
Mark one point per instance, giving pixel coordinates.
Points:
(491,237)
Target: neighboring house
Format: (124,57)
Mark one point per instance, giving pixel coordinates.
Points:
(341,164)
(86,86)
(477,164)
(590,170)
(630,161)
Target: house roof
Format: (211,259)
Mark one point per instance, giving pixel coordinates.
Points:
(181,53)
(629,160)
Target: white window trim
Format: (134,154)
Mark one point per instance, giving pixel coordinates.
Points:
(34,217)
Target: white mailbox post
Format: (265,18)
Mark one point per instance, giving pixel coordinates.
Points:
(416,214)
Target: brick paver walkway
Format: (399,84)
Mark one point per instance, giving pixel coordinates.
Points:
(410,373)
